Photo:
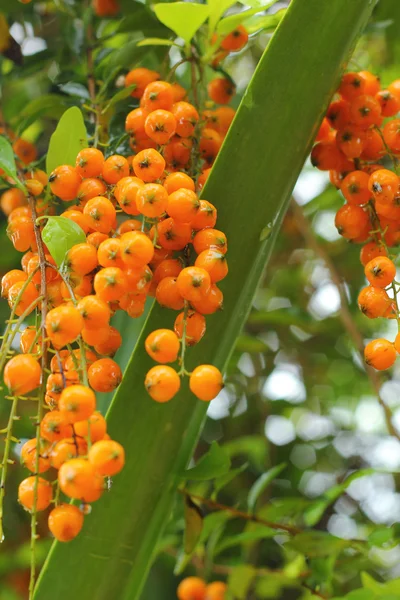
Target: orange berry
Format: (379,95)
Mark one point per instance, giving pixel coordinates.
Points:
(25,151)
(373,302)
(89,162)
(29,454)
(160,126)
(206,382)
(350,141)
(107,457)
(94,311)
(110,345)
(64,182)
(27,299)
(186,117)
(191,588)
(338,113)
(29,341)
(63,325)
(178,152)
(152,200)
(54,426)
(22,374)
(206,216)
(141,78)
(81,258)
(126,192)
(115,168)
(10,278)
(235,40)
(365,111)
(210,144)
(207,239)
(77,402)
(65,522)
(97,424)
(372,83)
(104,375)
(12,199)
(380,271)
(384,185)
(380,354)
(178,180)
(109,253)
(162,383)
(370,251)
(129,225)
(391,134)
(21,233)
(136,248)
(373,147)
(78,479)
(134,122)
(221,90)
(195,327)
(101,214)
(183,205)
(68,448)
(162,345)
(157,95)
(78,217)
(216,591)
(168,295)
(173,235)
(193,283)
(26,493)
(327,156)
(214,262)
(352,85)
(389,103)
(148,165)
(90,188)
(351,221)
(354,188)
(110,283)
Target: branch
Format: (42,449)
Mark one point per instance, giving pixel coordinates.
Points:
(344,312)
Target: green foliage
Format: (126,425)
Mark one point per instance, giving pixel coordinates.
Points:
(182,17)
(7,161)
(60,234)
(68,139)
(214,463)
(261,484)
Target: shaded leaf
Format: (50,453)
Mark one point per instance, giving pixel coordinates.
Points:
(240,580)
(317,543)
(261,483)
(121,95)
(60,234)
(75,89)
(193,525)
(221,482)
(68,139)
(182,17)
(214,463)
(7,161)
(230,23)
(239,539)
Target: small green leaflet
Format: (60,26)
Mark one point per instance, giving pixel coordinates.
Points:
(183,18)
(68,139)
(261,483)
(157,42)
(214,463)
(217,9)
(230,23)
(121,95)
(60,234)
(7,161)
(193,525)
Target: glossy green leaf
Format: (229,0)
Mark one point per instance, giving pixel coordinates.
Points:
(193,525)
(380,537)
(230,23)
(157,42)
(214,463)
(217,9)
(60,234)
(184,18)
(267,137)
(7,161)
(68,139)
(121,95)
(75,89)
(240,580)
(263,22)
(261,484)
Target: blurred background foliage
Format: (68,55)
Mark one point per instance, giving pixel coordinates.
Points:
(297,397)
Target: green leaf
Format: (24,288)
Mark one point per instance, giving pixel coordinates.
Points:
(217,9)
(380,537)
(157,42)
(261,483)
(60,234)
(75,89)
(245,537)
(121,95)
(230,23)
(7,161)
(50,106)
(240,580)
(68,139)
(214,521)
(317,543)
(263,22)
(222,481)
(214,463)
(121,533)
(184,18)
(193,525)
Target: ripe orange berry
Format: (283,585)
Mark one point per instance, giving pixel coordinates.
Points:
(27,299)
(370,251)
(95,312)
(29,341)
(210,144)
(160,126)
(170,267)
(195,327)
(183,205)
(380,354)
(327,156)
(235,40)
(162,345)
(29,454)
(89,162)
(77,402)
(384,185)
(389,103)
(65,522)
(351,221)
(193,283)
(178,180)
(168,295)
(110,344)
(26,493)
(207,239)
(109,253)
(107,457)
(78,217)
(11,199)
(8,280)
(134,122)
(373,302)
(141,78)
(97,424)
(162,383)
(104,375)
(110,283)
(206,216)
(221,90)
(365,111)
(64,182)
(338,113)
(22,374)
(90,188)
(54,426)
(372,83)
(78,479)
(136,249)
(82,259)
(191,588)
(157,95)
(152,200)
(21,233)
(186,117)
(352,85)
(101,214)
(173,235)
(380,271)
(25,151)
(148,165)
(178,152)
(350,140)
(126,192)
(115,168)
(63,325)
(206,382)
(391,134)
(373,147)
(129,225)
(354,188)
(214,262)
(68,448)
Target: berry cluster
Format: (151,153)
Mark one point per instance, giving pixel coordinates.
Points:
(357,143)
(147,234)
(194,588)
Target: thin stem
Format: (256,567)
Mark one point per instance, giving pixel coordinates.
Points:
(240,514)
(5,462)
(344,311)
